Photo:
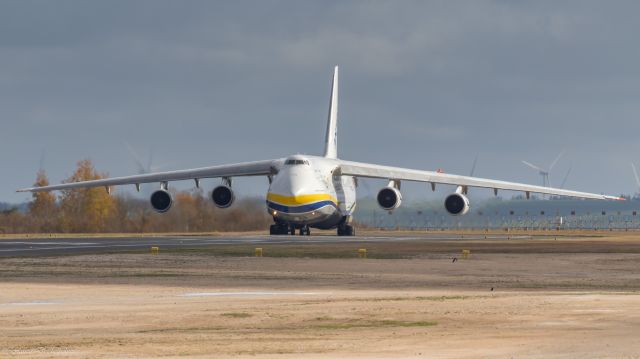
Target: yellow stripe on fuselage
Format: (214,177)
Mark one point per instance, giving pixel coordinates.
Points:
(300,200)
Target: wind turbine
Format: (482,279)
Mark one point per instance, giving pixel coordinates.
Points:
(544,173)
(43,155)
(635,174)
(564,180)
(473,167)
(142,168)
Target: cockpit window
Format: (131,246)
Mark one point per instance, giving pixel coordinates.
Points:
(296,162)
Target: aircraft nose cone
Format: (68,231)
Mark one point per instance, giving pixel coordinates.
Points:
(294,185)
(298,191)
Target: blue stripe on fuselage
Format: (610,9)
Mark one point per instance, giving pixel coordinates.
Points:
(300,209)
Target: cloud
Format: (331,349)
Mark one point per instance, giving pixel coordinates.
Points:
(423,84)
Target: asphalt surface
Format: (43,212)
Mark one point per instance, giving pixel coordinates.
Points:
(66,246)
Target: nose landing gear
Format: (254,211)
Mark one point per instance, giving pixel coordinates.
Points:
(283,229)
(305,231)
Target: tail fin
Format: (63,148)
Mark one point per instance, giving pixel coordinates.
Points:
(331,137)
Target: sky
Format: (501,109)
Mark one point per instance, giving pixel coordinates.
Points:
(423,84)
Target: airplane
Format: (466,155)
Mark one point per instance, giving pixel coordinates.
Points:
(316,191)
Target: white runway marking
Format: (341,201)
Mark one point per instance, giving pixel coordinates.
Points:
(243,294)
(139,245)
(189,239)
(32,303)
(53,243)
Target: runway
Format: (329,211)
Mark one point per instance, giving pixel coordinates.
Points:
(69,246)
(515,295)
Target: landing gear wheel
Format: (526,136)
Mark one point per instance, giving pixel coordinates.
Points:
(305,231)
(346,230)
(278,229)
(292,231)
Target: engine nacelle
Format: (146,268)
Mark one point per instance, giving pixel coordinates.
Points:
(389,198)
(222,196)
(161,200)
(456,204)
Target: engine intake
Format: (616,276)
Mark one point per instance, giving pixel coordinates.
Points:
(456,204)
(222,196)
(161,201)
(389,198)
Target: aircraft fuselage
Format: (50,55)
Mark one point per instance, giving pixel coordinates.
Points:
(305,192)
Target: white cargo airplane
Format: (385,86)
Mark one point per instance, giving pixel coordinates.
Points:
(313,191)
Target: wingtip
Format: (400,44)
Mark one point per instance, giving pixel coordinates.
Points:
(614,198)
(30,189)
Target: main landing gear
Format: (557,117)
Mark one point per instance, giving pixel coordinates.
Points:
(278,229)
(283,229)
(346,230)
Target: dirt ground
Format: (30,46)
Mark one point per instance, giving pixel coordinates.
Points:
(528,298)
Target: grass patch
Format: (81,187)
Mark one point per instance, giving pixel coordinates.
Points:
(191,329)
(376,324)
(435,298)
(400,323)
(289,251)
(141,275)
(323,318)
(443,298)
(236,315)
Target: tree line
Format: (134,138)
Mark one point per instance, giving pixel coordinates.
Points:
(93,210)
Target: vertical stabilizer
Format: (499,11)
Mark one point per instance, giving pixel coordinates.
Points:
(331,137)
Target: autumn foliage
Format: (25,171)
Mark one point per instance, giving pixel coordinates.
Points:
(94,210)
(87,209)
(43,210)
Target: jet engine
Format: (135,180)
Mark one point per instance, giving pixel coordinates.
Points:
(161,200)
(456,204)
(389,198)
(222,196)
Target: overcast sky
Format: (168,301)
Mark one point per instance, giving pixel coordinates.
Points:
(423,84)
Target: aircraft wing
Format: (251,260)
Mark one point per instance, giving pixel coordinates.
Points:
(367,170)
(256,168)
